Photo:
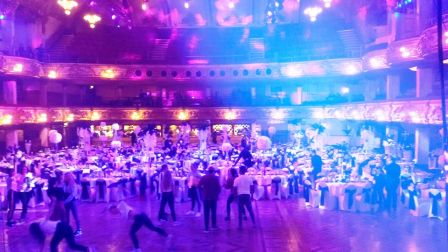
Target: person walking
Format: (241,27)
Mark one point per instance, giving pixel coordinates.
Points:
(393,172)
(166,188)
(71,200)
(210,188)
(244,185)
(193,190)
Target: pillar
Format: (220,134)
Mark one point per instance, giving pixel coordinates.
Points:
(64,96)
(392,86)
(422,139)
(10,92)
(12,138)
(424,81)
(43,96)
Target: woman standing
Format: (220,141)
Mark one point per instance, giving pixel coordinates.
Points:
(166,188)
(70,202)
(193,190)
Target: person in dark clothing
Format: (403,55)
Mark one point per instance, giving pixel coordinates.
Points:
(60,231)
(316,164)
(210,188)
(133,138)
(246,156)
(393,172)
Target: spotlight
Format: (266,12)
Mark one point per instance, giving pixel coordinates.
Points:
(52,74)
(114,17)
(92,19)
(18,68)
(345,90)
(231,5)
(145,5)
(414,69)
(2,16)
(187,4)
(405,53)
(313,12)
(91,87)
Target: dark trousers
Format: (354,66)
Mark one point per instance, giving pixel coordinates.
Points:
(210,206)
(392,196)
(244,202)
(141,220)
(64,231)
(194,195)
(232,197)
(13,198)
(167,197)
(378,196)
(72,207)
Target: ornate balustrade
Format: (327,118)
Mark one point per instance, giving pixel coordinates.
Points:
(414,112)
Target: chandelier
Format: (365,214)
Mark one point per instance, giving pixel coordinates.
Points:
(67,5)
(92,19)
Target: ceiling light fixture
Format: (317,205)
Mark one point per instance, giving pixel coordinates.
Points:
(67,5)
(92,19)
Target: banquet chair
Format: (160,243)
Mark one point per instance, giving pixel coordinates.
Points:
(133,186)
(122,191)
(417,206)
(436,209)
(38,193)
(347,198)
(276,185)
(307,193)
(85,190)
(363,201)
(101,191)
(324,195)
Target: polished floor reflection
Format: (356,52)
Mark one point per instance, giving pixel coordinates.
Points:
(285,225)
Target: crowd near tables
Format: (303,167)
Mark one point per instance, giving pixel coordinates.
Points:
(348,180)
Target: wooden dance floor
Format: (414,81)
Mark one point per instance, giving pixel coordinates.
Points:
(285,225)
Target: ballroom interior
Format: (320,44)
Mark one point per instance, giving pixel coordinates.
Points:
(360,81)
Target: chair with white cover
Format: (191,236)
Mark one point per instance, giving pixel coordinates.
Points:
(101,191)
(363,201)
(347,198)
(276,185)
(324,196)
(436,209)
(85,190)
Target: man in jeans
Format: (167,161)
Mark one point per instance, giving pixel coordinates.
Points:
(243,185)
(210,188)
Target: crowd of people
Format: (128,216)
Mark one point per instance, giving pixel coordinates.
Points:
(204,179)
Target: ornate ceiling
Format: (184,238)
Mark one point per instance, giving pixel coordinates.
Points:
(192,13)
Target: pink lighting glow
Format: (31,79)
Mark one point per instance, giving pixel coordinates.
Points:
(197,62)
(377,62)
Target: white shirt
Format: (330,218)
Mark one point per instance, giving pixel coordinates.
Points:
(243,183)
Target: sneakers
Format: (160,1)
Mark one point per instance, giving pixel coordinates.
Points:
(214,228)
(176,223)
(77,232)
(198,214)
(206,231)
(190,212)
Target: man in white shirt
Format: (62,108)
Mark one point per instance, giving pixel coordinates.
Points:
(243,185)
